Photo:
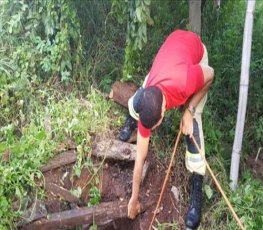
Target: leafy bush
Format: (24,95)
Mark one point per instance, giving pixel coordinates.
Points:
(39,42)
(44,38)
(223,39)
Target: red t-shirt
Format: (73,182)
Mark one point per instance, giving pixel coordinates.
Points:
(176,70)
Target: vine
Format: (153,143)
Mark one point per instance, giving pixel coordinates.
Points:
(44,35)
(39,42)
(138,18)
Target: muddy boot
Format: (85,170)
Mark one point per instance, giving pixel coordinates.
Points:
(193,216)
(127,129)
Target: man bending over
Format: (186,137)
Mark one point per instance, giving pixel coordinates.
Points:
(180,76)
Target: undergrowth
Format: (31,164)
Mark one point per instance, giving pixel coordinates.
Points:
(33,144)
(246,200)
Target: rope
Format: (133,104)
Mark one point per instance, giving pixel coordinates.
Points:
(219,186)
(166,178)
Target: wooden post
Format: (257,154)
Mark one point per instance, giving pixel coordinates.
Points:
(243,91)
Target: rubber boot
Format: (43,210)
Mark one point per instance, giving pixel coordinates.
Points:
(128,128)
(193,216)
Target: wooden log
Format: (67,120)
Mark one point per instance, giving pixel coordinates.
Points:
(60,160)
(62,192)
(35,212)
(115,150)
(99,215)
(122,91)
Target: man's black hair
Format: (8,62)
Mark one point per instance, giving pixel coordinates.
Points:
(150,107)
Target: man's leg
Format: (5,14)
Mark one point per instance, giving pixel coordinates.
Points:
(128,128)
(131,123)
(193,160)
(195,164)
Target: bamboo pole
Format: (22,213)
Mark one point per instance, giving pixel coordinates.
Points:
(243,91)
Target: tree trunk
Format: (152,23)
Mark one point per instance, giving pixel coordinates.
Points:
(195,15)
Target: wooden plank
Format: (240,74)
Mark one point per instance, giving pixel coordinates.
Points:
(122,91)
(62,192)
(62,159)
(100,215)
(115,150)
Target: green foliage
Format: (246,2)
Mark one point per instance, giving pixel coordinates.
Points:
(245,200)
(253,130)
(103,42)
(167,16)
(40,45)
(163,226)
(223,39)
(39,42)
(58,121)
(259,130)
(94,195)
(136,36)
(158,19)
(45,38)
(213,135)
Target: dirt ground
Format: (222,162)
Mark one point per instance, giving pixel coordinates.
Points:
(116,184)
(256,165)
(117,180)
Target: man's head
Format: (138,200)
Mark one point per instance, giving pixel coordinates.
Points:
(151,108)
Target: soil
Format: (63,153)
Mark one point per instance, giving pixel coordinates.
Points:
(256,165)
(116,184)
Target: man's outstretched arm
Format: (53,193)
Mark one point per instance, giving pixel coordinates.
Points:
(142,150)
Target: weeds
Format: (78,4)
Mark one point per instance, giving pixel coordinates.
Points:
(68,118)
(164,226)
(245,200)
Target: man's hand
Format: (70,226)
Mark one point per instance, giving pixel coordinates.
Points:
(186,124)
(133,208)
